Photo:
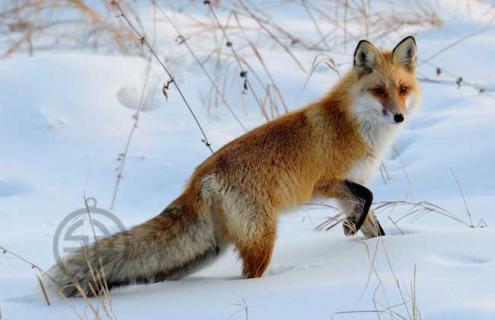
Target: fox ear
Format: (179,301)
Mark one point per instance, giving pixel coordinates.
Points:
(366,56)
(405,53)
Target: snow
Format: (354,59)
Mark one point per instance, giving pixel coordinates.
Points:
(66,116)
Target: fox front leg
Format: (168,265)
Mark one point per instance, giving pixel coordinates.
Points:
(355,200)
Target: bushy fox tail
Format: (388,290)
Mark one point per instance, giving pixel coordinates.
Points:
(168,247)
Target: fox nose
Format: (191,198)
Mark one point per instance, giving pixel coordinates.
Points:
(398,118)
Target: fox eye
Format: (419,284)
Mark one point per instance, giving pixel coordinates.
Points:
(379,91)
(403,89)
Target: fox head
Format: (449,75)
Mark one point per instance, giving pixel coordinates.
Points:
(385,81)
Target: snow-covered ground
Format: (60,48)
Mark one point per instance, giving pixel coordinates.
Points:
(65,118)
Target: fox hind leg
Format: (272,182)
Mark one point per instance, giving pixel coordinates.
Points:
(253,233)
(250,224)
(256,253)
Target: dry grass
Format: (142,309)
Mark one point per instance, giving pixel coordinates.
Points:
(229,43)
(36,25)
(406,309)
(232,39)
(256,28)
(408,209)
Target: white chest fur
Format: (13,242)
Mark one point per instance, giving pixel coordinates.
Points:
(378,131)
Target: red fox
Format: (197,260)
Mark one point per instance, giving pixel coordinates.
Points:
(328,149)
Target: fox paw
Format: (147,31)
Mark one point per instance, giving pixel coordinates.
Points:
(372,227)
(350,227)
